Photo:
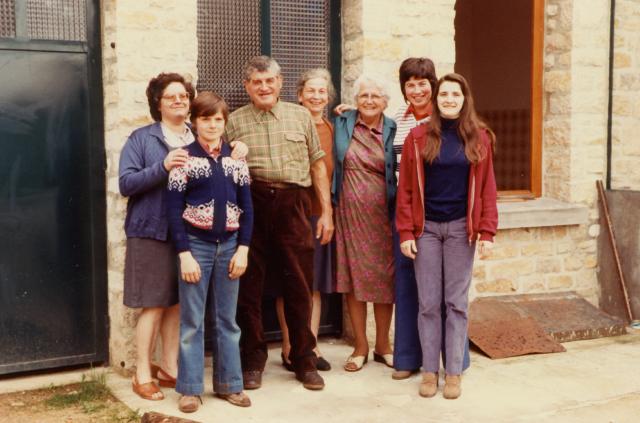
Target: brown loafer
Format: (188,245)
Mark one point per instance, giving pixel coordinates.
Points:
(252,379)
(239,399)
(311,380)
(429,384)
(189,403)
(452,386)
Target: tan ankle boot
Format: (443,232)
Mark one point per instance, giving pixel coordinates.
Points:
(452,386)
(429,384)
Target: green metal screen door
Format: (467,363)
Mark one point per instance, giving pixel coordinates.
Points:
(52,225)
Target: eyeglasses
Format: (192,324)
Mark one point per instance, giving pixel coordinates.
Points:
(372,97)
(178,97)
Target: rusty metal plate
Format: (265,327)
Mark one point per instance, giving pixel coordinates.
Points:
(511,337)
(626,226)
(564,316)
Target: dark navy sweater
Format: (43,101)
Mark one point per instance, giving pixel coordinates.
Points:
(209,198)
(447,178)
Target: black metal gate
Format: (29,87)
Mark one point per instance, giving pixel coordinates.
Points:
(53,291)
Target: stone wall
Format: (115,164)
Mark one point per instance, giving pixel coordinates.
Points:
(143,38)
(625,172)
(562,258)
(376,38)
(140,39)
(525,260)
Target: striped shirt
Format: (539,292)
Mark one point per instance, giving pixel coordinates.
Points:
(283,142)
(406,121)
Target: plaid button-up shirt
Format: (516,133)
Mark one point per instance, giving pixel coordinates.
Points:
(283,142)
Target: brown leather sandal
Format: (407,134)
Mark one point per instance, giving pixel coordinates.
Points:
(164,379)
(146,390)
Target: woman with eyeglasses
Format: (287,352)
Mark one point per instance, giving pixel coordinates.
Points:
(446,205)
(150,276)
(364,187)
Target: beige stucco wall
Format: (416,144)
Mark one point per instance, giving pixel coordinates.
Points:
(140,39)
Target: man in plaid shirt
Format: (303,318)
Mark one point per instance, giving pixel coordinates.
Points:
(284,161)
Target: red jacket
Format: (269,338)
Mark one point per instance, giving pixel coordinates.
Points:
(482,210)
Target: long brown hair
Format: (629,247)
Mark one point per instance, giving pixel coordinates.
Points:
(469,124)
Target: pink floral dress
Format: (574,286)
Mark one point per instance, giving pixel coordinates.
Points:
(364,246)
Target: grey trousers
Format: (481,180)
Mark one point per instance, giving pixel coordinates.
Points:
(443,268)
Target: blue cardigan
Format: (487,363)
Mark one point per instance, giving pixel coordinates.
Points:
(209,198)
(343,131)
(143,178)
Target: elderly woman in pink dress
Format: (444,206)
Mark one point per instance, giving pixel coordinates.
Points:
(364,188)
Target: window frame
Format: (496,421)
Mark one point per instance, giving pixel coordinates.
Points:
(537,65)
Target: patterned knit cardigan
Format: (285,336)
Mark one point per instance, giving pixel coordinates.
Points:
(209,198)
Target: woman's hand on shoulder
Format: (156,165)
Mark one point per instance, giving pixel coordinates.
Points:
(239,150)
(409,249)
(189,267)
(175,158)
(341,108)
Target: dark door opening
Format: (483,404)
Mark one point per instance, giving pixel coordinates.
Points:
(497,51)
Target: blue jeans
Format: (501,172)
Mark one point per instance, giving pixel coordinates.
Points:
(407,352)
(443,268)
(213,259)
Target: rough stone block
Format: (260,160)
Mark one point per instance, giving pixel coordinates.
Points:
(511,269)
(497,286)
(503,251)
(537,248)
(560,105)
(508,235)
(557,41)
(479,271)
(564,247)
(531,284)
(353,49)
(559,281)
(549,265)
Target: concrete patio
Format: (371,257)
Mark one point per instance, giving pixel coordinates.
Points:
(594,381)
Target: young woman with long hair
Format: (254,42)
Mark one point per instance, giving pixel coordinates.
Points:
(446,203)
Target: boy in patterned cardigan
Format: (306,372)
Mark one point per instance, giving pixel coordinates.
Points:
(210,217)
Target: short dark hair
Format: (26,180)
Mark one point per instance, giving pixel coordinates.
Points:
(157,86)
(420,68)
(208,103)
